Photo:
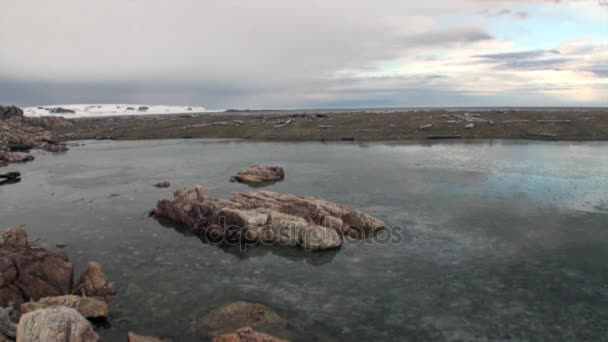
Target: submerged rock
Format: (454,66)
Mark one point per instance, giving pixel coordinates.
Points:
(133,337)
(264,216)
(28,273)
(94,282)
(56,324)
(89,307)
(246,334)
(162,185)
(258,174)
(232,316)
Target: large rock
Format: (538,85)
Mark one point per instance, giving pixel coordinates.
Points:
(28,273)
(7,112)
(265,217)
(133,337)
(246,334)
(15,157)
(94,282)
(231,317)
(56,324)
(257,174)
(8,329)
(89,307)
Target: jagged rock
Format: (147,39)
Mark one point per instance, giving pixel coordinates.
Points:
(264,216)
(94,282)
(162,185)
(56,324)
(30,273)
(7,112)
(7,327)
(246,334)
(132,337)
(256,174)
(231,317)
(89,307)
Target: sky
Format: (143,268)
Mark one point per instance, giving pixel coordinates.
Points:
(270,54)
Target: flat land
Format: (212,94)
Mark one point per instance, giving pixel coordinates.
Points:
(545,124)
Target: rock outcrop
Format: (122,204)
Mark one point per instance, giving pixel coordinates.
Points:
(56,324)
(94,282)
(259,174)
(230,317)
(246,334)
(89,307)
(266,217)
(28,273)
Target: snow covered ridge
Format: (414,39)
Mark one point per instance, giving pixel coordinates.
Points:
(98,110)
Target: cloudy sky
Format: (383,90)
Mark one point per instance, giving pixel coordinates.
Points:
(305,53)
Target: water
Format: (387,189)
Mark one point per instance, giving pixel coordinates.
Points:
(497,240)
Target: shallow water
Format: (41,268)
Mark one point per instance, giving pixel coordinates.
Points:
(490,240)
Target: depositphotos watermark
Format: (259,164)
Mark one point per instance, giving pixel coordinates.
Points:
(309,237)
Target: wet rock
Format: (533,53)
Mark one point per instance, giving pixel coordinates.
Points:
(231,317)
(7,327)
(94,282)
(133,337)
(56,324)
(15,157)
(30,273)
(264,216)
(55,147)
(316,238)
(246,334)
(61,110)
(162,185)
(7,112)
(89,307)
(256,174)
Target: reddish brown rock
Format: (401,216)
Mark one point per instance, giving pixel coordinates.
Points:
(89,307)
(246,334)
(265,216)
(133,337)
(257,174)
(15,157)
(94,282)
(55,148)
(28,273)
(232,316)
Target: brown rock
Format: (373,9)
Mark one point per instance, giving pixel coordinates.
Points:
(30,273)
(55,148)
(256,174)
(238,314)
(56,324)
(319,238)
(89,307)
(94,282)
(246,334)
(15,157)
(139,338)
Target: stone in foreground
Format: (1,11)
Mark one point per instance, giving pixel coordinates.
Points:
(258,174)
(94,282)
(246,334)
(89,307)
(133,337)
(231,317)
(56,324)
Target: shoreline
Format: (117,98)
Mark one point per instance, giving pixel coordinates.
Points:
(553,125)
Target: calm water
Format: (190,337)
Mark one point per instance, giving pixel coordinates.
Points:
(500,240)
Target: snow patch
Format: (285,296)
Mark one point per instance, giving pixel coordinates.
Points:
(71,111)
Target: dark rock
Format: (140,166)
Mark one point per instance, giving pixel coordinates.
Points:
(143,108)
(61,110)
(7,112)
(163,184)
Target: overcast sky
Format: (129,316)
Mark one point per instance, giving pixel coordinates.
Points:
(305,53)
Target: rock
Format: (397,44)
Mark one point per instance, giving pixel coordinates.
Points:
(231,316)
(89,307)
(132,337)
(163,184)
(15,237)
(55,147)
(246,334)
(61,110)
(143,108)
(317,238)
(15,157)
(27,273)
(427,126)
(50,122)
(7,327)
(264,216)
(7,112)
(259,174)
(56,324)
(94,282)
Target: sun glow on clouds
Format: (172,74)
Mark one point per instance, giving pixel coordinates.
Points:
(275,53)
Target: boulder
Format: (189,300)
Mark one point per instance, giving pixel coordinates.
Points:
(94,282)
(7,112)
(8,329)
(89,307)
(257,174)
(246,334)
(28,273)
(231,317)
(265,216)
(55,324)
